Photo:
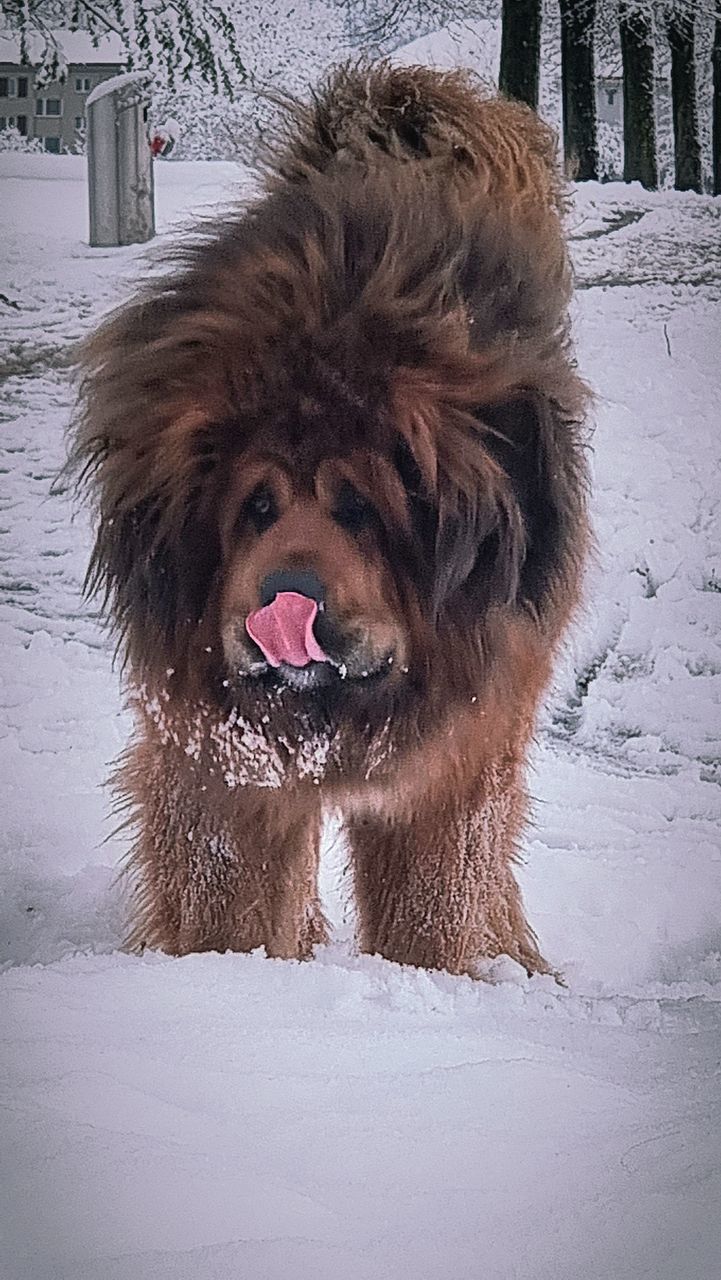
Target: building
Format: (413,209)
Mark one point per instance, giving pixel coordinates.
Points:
(55,112)
(609,99)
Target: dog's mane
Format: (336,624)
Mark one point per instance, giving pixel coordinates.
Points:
(407,300)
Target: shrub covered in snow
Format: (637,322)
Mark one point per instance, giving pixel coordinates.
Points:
(11,139)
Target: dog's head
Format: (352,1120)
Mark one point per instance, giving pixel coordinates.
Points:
(312,588)
(336,442)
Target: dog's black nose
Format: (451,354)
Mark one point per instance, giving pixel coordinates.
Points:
(303,581)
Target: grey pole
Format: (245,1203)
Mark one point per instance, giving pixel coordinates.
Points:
(120,164)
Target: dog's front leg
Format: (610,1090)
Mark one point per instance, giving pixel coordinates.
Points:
(219,870)
(436,888)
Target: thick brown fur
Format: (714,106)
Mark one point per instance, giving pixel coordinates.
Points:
(376,351)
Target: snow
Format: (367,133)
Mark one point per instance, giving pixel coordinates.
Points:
(141,79)
(222,1116)
(474,43)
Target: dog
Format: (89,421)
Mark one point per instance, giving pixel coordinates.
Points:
(336,458)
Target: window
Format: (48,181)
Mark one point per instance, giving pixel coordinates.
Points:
(78,122)
(22,86)
(82,84)
(15,122)
(610,96)
(53,145)
(48,107)
(8,87)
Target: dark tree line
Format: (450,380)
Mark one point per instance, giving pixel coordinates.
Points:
(578,79)
(716,118)
(639,22)
(687,144)
(639,96)
(520,68)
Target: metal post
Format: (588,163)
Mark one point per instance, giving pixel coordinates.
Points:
(120,166)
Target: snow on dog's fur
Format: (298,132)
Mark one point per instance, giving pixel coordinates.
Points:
(363,382)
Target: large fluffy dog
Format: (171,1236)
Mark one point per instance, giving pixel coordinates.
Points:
(340,492)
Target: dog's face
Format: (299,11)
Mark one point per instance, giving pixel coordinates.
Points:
(307,594)
(321,453)
(348,557)
(348,571)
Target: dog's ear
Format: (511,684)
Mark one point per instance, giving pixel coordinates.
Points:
(469,536)
(511,539)
(479,551)
(153,577)
(538,447)
(145,460)
(157,544)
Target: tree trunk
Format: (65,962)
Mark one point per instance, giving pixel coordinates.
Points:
(521,50)
(639,112)
(686,142)
(580,146)
(716,136)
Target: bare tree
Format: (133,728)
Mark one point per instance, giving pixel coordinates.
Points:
(716,119)
(521,50)
(380,26)
(579,88)
(681,30)
(181,40)
(639,109)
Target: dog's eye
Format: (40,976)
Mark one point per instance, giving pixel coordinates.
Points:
(351,511)
(261,508)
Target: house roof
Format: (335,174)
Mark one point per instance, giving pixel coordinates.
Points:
(76,48)
(474,43)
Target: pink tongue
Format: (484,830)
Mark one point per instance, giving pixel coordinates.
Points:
(284,630)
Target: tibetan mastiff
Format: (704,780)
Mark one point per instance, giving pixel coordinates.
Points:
(336,458)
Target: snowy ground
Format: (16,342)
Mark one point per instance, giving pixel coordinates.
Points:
(231,1117)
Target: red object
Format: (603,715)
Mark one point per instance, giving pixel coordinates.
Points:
(283,630)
